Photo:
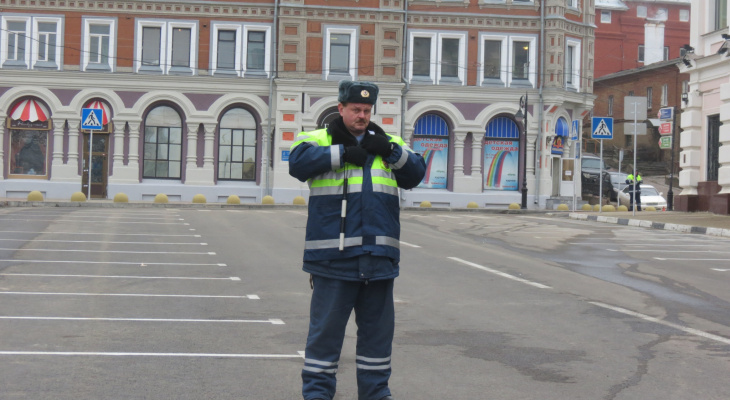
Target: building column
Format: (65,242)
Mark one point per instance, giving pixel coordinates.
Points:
(68,172)
(195,175)
(459,138)
(723,178)
(209,149)
(125,173)
(118,156)
(73,141)
(191,156)
(690,141)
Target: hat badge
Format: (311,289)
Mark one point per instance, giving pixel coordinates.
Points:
(365,94)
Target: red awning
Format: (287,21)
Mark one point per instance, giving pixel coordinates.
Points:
(100,105)
(29,110)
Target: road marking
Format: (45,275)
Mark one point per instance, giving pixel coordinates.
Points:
(210,253)
(675,251)
(500,273)
(448,216)
(665,323)
(203,296)
(653,244)
(409,244)
(99,233)
(720,269)
(142,264)
(104,217)
(232,278)
(272,321)
(119,354)
(99,241)
(82,220)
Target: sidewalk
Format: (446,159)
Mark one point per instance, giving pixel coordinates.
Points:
(689,222)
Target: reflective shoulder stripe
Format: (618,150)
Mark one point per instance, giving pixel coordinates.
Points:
(335,157)
(403,158)
(387,241)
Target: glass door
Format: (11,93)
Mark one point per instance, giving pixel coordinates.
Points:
(99,166)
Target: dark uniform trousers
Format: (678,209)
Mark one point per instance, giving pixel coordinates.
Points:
(332,303)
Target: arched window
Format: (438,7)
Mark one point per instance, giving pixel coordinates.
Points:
(501,154)
(327,117)
(237,146)
(163,143)
(431,139)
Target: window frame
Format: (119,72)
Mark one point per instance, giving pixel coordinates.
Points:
(665,95)
(166,46)
(32,42)
(4,41)
(605,16)
(435,76)
(575,44)
(354,32)
(532,56)
(684,15)
(641,53)
(610,105)
(641,11)
(86,64)
(649,97)
(252,130)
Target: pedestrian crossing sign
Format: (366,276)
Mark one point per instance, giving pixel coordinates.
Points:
(602,128)
(91,119)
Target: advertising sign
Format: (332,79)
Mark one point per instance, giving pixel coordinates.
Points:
(665,128)
(436,154)
(666,113)
(665,142)
(501,164)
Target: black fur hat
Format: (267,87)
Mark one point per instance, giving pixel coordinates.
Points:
(358,92)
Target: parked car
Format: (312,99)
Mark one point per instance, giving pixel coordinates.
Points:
(649,197)
(591,167)
(618,181)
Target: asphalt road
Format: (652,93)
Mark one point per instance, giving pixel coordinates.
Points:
(212,304)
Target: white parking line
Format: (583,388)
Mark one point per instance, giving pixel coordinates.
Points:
(119,354)
(101,216)
(410,244)
(265,321)
(100,233)
(500,273)
(99,241)
(674,251)
(665,323)
(232,278)
(202,296)
(653,245)
(143,264)
(210,253)
(84,220)
(720,269)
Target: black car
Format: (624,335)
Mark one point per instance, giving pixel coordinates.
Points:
(591,167)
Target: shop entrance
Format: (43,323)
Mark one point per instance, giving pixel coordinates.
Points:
(99,170)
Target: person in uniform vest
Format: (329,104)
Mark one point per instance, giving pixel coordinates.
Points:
(354,171)
(634,191)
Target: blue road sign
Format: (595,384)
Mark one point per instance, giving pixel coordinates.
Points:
(666,113)
(91,119)
(602,128)
(285,155)
(576,130)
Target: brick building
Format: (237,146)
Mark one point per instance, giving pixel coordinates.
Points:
(206,97)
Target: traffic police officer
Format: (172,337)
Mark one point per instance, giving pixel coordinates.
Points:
(354,170)
(634,191)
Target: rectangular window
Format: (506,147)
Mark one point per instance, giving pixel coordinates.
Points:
(47,42)
(720,14)
(16,41)
(649,97)
(610,106)
(162,152)
(684,15)
(99,44)
(226,51)
(166,47)
(641,11)
(28,152)
(339,53)
(569,58)
(492,59)
(520,60)
(237,154)
(181,47)
(641,53)
(572,64)
(151,44)
(666,53)
(665,95)
(605,17)
(450,58)
(572,3)
(422,56)
(713,147)
(256,51)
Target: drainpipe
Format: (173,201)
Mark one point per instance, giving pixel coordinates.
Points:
(270,132)
(541,105)
(404,79)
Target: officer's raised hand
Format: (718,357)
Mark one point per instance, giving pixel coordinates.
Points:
(355,155)
(378,145)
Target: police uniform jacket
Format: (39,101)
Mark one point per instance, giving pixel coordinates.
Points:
(372,227)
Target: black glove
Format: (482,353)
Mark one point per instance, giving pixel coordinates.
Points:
(355,155)
(378,145)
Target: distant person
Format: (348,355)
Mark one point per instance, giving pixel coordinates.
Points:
(634,191)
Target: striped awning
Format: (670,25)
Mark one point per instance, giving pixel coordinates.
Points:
(29,110)
(105,111)
(561,127)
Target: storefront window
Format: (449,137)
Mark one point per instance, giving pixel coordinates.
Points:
(237,146)
(501,154)
(431,139)
(28,152)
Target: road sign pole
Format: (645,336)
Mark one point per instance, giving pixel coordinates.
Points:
(633,189)
(600,182)
(670,194)
(88,166)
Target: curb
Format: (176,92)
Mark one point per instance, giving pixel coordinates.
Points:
(702,230)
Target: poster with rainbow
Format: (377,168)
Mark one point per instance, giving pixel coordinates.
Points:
(436,154)
(501,160)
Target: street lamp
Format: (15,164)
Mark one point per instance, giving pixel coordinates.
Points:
(521,116)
